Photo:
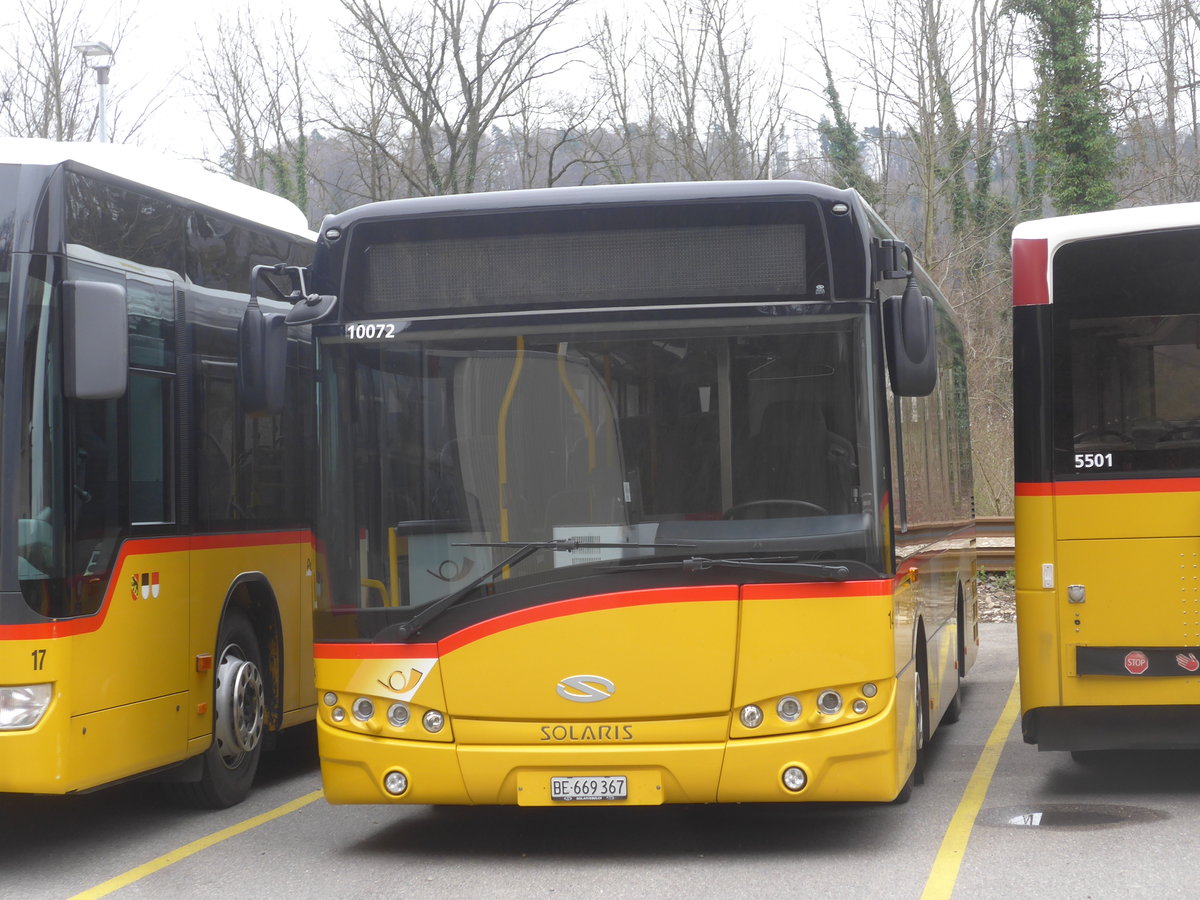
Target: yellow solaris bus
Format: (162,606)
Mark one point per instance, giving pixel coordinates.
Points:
(619,505)
(156,564)
(1106,332)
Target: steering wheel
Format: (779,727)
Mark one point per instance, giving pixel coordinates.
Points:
(751,509)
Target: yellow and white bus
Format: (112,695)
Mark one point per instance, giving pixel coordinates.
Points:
(156,560)
(1106,356)
(623,500)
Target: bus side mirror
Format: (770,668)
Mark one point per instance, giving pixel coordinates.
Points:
(312,309)
(95,339)
(908,327)
(262,361)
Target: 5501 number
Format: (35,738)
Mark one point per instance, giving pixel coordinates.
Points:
(1093,460)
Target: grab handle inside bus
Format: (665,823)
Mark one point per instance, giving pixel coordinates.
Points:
(96,339)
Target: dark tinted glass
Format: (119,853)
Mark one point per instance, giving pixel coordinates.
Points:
(123,223)
(1127,355)
(585,257)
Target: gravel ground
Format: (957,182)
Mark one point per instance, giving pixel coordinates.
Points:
(997,598)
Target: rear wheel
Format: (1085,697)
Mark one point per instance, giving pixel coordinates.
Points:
(922,729)
(954,711)
(239,717)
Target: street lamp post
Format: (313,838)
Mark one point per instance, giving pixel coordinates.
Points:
(93,50)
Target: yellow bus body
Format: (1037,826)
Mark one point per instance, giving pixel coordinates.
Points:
(684,661)
(133,685)
(1137,555)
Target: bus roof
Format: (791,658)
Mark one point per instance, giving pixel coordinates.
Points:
(187,180)
(1061,229)
(541,198)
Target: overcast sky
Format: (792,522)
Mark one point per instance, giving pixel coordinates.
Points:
(162,40)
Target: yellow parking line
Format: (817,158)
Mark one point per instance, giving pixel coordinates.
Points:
(120,881)
(954,845)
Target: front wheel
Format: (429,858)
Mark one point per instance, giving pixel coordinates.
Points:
(917,775)
(239,717)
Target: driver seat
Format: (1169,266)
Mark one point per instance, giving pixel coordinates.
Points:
(798,458)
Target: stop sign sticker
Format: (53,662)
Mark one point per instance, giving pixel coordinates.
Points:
(1136,662)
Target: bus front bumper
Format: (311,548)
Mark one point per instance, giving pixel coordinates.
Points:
(851,763)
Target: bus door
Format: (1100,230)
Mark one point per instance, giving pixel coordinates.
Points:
(1127,580)
(122,455)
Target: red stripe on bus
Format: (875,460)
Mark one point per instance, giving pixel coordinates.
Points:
(1126,486)
(1031,275)
(600,602)
(144,546)
(578,605)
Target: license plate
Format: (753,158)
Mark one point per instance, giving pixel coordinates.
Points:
(589,787)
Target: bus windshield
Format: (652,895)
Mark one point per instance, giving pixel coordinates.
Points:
(731,436)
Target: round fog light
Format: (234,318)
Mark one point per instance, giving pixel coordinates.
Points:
(829,702)
(338,714)
(869,690)
(330,698)
(794,778)
(395,783)
(751,716)
(363,709)
(398,715)
(860,706)
(788,709)
(433,721)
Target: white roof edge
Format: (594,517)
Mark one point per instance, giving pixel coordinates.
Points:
(187,180)
(1062,229)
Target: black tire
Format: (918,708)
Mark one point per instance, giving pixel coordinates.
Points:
(954,711)
(917,775)
(228,766)
(921,690)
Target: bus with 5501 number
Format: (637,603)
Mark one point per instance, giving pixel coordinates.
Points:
(635,494)
(156,560)
(1106,334)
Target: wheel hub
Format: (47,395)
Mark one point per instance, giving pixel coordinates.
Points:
(240,707)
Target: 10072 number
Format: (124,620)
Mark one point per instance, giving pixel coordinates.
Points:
(370,331)
(1093,460)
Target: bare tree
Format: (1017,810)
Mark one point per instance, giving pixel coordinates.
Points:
(254,92)
(722,109)
(454,69)
(629,128)
(46,88)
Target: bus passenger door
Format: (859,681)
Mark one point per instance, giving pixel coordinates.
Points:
(123,454)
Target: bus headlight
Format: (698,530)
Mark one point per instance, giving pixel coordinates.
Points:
(395,783)
(433,721)
(398,715)
(789,709)
(22,706)
(363,709)
(751,716)
(794,778)
(830,702)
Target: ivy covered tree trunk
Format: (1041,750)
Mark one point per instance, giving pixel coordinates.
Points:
(1073,134)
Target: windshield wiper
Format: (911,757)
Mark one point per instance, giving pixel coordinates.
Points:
(524,551)
(789,564)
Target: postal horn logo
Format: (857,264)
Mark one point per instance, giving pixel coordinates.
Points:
(585,688)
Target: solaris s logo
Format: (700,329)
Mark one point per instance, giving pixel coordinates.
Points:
(585,688)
